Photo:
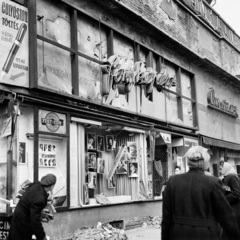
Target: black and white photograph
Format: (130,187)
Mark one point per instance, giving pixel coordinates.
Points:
(122,167)
(91,141)
(109,142)
(132,149)
(92,180)
(85,194)
(112,181)
(133,169)
(22,153)
(92,161)
(100,165)
(100,143)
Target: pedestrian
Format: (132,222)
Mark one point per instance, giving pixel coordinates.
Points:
(231,186)
(26,220)
(194,203)
(177,170)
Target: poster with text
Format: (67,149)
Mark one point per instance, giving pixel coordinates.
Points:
(14,61)
(47,155)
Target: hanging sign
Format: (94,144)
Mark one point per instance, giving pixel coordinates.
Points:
(189,142)
(52,122)
(14,64)
(166,137)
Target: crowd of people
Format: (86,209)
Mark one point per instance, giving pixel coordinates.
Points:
(197,205)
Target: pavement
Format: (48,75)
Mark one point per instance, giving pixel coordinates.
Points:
(144,233)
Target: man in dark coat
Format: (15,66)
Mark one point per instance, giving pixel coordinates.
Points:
(231,185)
(194,204)
(26,220)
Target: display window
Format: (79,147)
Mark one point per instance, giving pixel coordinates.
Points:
(108,163)
(162,152)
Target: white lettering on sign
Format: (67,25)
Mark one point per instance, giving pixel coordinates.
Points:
(166,137)
(223,105)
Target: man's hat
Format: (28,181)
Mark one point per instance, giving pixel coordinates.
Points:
(48,180)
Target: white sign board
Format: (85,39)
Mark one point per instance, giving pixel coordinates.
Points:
(14,64)
(166,137)
(189,142)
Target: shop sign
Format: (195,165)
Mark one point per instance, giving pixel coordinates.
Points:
(219,105)
(52,122)
(189,142)
(4,227)
(166,137)
(204,11)
(14,64)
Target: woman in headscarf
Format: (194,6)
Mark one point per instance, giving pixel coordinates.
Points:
(194,203)
(231,185)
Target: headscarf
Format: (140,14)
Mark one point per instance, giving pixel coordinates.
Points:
(228,169)
(198,157)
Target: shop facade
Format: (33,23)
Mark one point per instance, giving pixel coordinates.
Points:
(106,107)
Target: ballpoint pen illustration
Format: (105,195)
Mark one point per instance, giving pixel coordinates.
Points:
(11,55)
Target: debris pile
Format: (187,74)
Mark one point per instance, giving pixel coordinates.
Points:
(154,222)
(100,232)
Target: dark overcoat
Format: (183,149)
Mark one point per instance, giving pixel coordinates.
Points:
(193,203)
(233,196)
(26,219)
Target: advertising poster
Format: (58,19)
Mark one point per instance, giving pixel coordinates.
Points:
(47,155)
(14,64)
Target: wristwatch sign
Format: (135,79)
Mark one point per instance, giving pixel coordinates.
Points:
(14,50)
(52,122)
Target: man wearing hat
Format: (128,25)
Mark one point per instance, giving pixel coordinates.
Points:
(26,220)
(194,203)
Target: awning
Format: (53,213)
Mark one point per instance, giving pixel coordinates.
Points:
(220,143)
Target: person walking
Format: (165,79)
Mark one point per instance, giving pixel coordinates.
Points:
(231,186)
(194,203)
(26,220)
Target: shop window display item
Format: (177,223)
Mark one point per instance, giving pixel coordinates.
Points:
(22,153)
(92,161)
(47,155)
(109,142)
(112,182)
(132,149)
(100,165)
(100,143)
(91,141)
(85,194)
(92,180)
(122,167)
(133,169)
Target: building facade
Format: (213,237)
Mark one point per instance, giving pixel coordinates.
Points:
(109,96)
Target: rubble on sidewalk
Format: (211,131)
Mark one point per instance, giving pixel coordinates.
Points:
(100,232)
(153,222)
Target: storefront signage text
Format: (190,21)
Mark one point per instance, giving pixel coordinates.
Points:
(205,12)
(222,106)
(14,47)
(4,229)
(188,142)
(52,122)
(166,137)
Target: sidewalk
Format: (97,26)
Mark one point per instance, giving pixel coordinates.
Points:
(144,233)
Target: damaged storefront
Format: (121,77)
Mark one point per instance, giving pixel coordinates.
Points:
(110,116)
